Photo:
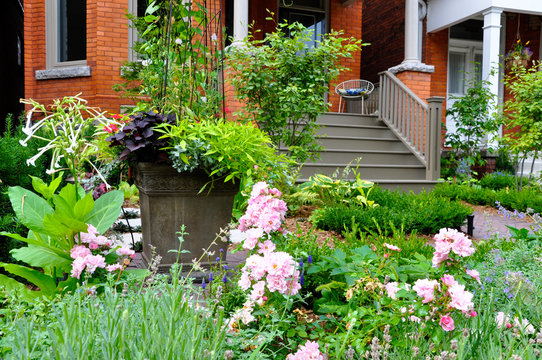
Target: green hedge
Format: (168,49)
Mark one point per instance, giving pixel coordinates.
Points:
(425,213)
(510,198)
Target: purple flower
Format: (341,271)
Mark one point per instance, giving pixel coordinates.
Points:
(225,279)
(210,277)
(203,283)
(301,263)
(217,259)
(225,267)
(302,279)
(309,259)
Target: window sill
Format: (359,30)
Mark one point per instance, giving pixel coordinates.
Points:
(63,72)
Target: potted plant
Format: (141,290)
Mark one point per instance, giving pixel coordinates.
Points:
(519,55)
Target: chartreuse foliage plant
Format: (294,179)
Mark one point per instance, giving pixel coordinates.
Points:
(283,82)
(54,221)
(225,150)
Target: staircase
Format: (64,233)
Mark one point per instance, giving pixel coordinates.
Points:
(384,158)
(398,149)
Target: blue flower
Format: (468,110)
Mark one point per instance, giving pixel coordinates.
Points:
(309,259)
(217,259)
(301,263)
(302,279)
(225,279)
(225,267)
(210,277)
(203,283)
(506,290)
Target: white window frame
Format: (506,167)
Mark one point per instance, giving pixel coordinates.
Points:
(51,41)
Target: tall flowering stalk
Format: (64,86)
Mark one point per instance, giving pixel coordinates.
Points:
(66,128)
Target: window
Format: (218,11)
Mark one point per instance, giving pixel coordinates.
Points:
(310,13)
(137,8)
(66,28)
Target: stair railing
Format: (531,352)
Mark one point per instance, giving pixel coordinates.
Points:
(416,123)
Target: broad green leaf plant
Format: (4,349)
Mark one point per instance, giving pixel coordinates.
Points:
(53,220)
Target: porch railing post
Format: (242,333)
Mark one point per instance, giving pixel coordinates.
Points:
(433,137)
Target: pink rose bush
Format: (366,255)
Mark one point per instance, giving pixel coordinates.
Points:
(91,251)
(444,296)
(265,210)
(309,351)
(449,242)
(266,271)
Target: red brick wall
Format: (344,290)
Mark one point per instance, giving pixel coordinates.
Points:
(107,49)
(348,19)
(383,27)
(436,54)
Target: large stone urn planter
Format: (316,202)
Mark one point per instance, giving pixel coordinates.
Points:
(169,199)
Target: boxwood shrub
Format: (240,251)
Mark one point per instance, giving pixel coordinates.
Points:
(510,198)
(425,213)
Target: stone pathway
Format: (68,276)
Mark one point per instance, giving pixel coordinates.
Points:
(487,224)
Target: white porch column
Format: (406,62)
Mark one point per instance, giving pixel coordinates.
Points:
(411,32)
(491,50)
(240,20)
(492,42)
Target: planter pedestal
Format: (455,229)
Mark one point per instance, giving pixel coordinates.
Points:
(168,200)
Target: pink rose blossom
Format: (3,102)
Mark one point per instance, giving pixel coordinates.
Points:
(114,267)
(258,291)
(447,323)
(252,237)
(266,247)
(439,258)
(125,251)
(449,280)
(93,238)
(392,288)
(425,288)
(309,351)
(474,274)
(80,251)
(93,262)
(392,247)
(78,265)
(461,299)
(462,246)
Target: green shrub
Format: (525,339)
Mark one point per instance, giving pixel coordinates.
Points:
(498,180)
(424,213)
(509,198)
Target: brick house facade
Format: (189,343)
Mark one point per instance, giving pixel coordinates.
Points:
(108,46)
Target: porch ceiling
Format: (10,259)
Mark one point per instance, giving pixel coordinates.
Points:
(445,13)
